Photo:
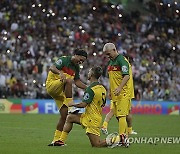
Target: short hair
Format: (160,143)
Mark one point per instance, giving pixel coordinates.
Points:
(97,71)
(80,52)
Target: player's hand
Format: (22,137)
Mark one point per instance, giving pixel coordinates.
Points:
(117,91)
(70,104)
(62,76)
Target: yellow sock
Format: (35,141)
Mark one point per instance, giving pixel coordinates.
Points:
(105,124)
(129,130)
(63,136)
(122,125)
(57,135)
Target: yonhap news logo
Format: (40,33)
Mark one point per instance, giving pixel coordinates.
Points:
(154,140)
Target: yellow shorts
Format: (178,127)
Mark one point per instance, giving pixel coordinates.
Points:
(88,126)
(55,88)
(121,107)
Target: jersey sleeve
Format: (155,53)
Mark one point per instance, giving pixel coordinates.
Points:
(77,73)
(88,95)
(124,65)
(60,63)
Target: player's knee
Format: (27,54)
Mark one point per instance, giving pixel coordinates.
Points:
(69,118)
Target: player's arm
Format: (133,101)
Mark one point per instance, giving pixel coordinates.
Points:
(125,72)
(79,105)
(87,99)
(80,84)
(56,68)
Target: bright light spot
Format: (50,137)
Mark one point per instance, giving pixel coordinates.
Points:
(113,6)
(120,15)
(29,17)
(39,5)
(25,84)
(5,38)
(33,5)
(43,10)
(177,11)
(154,63)
(174,48)
(119,34)
(5,32)
(169,5)
(80,27)
(8,51)
(94,54)
(53,14)
(161,4)
(65,18)
(175,3)
(50,11)
(83,31)
(19,36)
(44,84)
(100,53)
(34,81)
(118,7)
(94,8)
(70,37)
(28,52)
(48,15)
(93,43)
(81,66)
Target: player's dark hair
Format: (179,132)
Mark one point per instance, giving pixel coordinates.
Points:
(80,52)
(97,71)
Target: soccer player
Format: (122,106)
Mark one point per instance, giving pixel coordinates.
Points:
(59,84)
(121,87)
(93,100)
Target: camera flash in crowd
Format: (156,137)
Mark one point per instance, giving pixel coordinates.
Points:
(94,54)
(83,31)
(113,6)
(81,66)
(5,38)
(175,3)
(120,15)
(48,15)
(39,5)
(5,32)
(80,27)
(161,4)
(53,14)
(169,5)
(34,81)
(29,17)
(93,43)
(25,84)
(44,84)
(50,11)
(33,5)
(177,11)
(94,8)
(43,10)
(65,18)
(8,51)
(19,36)
(174,48)
(119,34)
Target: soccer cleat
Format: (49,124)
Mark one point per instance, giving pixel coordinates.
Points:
(104,130)
(73,110)
(133,133)
(57,143)
(124,141)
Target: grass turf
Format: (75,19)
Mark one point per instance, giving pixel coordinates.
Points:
(30,133)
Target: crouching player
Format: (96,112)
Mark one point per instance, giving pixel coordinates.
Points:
(93,100)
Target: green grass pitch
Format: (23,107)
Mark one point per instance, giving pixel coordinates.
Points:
(30,133)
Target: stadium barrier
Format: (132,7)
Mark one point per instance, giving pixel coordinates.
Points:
(48,106)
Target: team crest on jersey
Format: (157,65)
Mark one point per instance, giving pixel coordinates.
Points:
(59,62)
(86,96)
(124,69)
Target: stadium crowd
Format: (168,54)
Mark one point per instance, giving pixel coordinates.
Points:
(34,33)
